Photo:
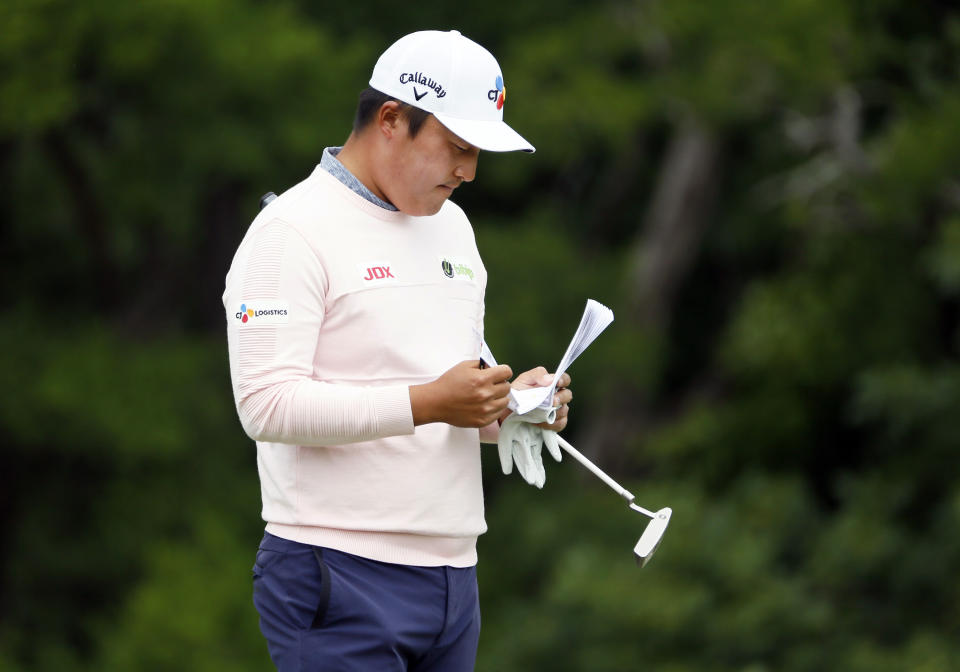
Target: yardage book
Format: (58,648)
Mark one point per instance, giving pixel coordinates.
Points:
(596,318)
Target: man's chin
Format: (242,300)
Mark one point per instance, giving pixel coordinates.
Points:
(423,210)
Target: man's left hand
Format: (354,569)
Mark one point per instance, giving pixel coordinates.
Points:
(521,443)
(539,377)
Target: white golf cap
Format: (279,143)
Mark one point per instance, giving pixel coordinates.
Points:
(456,80)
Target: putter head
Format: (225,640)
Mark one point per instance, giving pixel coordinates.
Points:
(266,198)
(651,536)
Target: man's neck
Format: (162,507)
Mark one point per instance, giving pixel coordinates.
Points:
(355,159)
(330,163)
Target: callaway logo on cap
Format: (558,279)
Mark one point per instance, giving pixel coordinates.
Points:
(453,78)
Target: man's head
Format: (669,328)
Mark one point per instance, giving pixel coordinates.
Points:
(435,100)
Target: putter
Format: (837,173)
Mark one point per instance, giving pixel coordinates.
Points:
(653,533)
(266,198)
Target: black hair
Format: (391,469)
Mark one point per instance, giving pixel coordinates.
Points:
(372,100)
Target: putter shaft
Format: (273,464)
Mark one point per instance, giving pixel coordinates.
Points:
(599,473)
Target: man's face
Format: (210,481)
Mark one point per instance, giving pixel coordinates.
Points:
(422,172)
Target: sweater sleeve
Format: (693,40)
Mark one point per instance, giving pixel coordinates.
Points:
(279,283)
(490,433)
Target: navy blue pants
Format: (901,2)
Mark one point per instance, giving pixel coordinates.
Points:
(322,609)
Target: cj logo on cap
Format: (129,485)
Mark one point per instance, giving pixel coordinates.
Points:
(499,93)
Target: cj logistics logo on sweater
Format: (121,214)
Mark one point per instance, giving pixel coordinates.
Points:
(263,312)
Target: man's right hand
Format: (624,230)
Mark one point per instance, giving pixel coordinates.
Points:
(464,396)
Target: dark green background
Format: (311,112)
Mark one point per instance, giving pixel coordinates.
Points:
(766,194)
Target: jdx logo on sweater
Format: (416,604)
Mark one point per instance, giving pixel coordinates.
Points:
(379,272)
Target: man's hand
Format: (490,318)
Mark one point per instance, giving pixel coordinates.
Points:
(464,396)
(539,377)
(521,443)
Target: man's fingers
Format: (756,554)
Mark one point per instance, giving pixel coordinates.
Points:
(534,375)
(494,407)
(541,377)
(499,404)
(498,373)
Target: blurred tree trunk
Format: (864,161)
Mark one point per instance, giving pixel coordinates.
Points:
(88,213)
(669,240)
(191,272)
(662,255)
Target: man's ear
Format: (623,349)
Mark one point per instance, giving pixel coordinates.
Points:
(389,119)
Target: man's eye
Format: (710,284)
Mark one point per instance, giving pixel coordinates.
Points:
(462,149)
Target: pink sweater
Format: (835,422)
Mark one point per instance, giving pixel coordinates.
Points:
(334,307)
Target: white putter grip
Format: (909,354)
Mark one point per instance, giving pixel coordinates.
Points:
(651,536)
(538,415)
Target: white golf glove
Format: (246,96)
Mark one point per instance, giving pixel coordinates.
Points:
(521,443)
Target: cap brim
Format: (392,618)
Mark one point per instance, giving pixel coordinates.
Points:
(493,136)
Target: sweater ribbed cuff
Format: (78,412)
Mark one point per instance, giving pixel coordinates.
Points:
(394,414)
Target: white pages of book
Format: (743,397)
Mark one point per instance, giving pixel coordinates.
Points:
(596,318)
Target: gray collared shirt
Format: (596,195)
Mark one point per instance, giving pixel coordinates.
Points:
(332,165)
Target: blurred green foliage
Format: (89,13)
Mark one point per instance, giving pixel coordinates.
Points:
(798,409)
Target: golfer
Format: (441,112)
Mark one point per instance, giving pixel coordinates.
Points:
(355,309)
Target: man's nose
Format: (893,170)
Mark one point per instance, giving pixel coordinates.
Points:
(466,169)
